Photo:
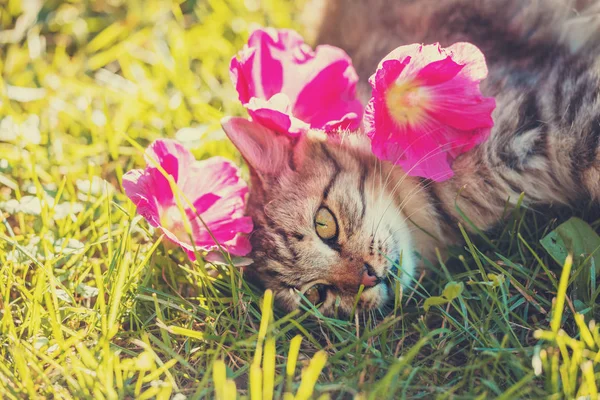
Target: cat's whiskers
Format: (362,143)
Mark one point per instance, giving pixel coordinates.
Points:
(379,163)
(410,231)
(413,193)
(408,147)
(410,228)
(401,181)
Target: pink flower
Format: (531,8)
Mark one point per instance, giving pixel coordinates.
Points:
(288,87)
(212,186)
(427,107)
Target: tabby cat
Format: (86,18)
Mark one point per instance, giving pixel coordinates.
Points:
(331,219)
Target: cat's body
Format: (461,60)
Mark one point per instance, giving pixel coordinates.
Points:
(544,71)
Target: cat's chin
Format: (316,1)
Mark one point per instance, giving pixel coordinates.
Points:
(375,297)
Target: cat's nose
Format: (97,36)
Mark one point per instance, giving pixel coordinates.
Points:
(369,278)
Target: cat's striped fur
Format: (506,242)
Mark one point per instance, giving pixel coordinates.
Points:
(544,70)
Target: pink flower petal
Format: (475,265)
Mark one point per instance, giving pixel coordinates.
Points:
(319,87)
(240,74)
(221,178)
(213,187)
(388,72)
(271,47)
(204,203)
(239,246)
(349,121)
(472,58)
(160,185)
(438,72)
(137,186)
(413,57)
(459,104)
(274,115)
(223,230)
(331,92)
(427,107)
(170,155)
(435,164)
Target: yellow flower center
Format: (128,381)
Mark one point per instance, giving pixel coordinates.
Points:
(406,102)
(172,219)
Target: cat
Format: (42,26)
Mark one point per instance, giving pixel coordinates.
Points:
(331,219)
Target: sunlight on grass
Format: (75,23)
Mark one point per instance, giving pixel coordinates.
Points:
(570,363)
(262,380)
(95,304)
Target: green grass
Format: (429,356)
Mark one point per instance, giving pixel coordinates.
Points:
(94,304)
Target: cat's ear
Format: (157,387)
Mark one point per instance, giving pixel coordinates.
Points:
(266,152)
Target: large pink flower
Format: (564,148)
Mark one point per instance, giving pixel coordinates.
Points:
(288,87)
(212,186)
(427,107)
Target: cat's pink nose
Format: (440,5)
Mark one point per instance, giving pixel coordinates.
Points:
(369,278)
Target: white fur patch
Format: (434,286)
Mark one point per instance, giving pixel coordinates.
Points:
(390,226)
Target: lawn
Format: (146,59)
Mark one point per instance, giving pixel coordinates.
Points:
(94,303)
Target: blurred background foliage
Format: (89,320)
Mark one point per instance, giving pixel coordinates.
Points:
(77,76)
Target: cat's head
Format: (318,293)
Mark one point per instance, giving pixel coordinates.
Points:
(329,217)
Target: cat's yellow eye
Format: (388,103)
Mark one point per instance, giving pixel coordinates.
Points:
(325,224)
(316,294)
